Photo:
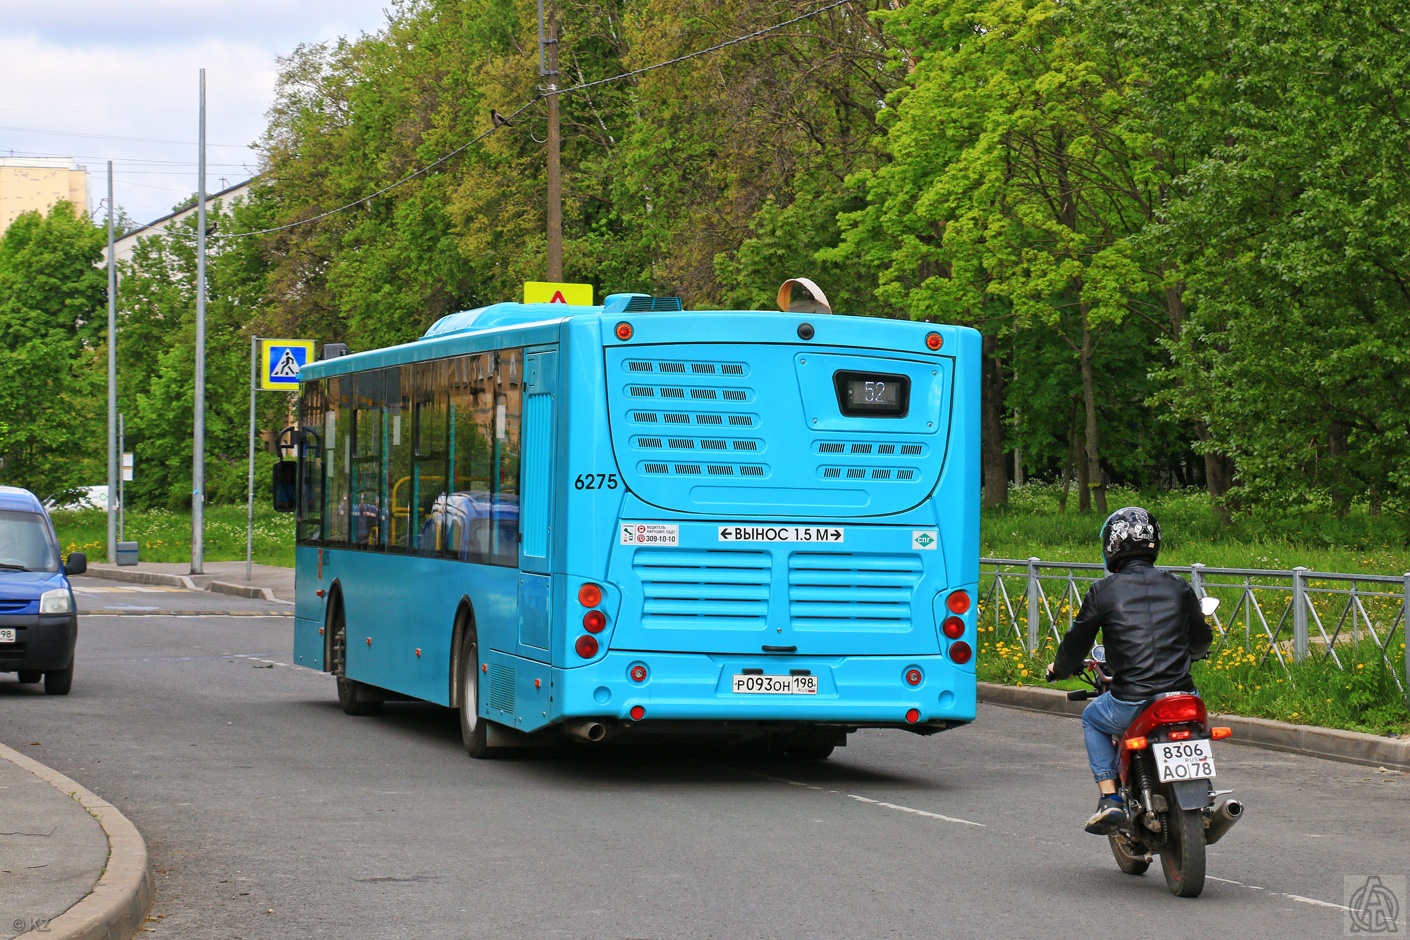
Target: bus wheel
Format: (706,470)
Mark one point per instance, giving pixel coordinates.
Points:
(355,698)
(808,751)
(473,726)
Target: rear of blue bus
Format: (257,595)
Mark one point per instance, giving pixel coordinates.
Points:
(771,521)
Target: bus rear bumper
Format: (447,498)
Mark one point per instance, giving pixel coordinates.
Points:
(858,691)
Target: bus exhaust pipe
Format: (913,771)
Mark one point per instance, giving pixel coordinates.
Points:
(1222,820)
(587,729)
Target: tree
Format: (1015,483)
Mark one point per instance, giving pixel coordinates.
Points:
(51,375)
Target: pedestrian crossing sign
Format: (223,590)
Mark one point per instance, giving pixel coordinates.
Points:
(281,360)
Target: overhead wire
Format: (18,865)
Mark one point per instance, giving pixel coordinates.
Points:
(747,37)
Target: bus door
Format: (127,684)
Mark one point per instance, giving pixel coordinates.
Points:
(536,475)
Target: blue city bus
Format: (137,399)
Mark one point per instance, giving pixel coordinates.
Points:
(637,522)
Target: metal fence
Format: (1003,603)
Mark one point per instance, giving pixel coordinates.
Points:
(1283,616)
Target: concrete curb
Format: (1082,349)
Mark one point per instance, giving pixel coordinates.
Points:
(143,577)
(242,590)
(1351,747)
(118,905)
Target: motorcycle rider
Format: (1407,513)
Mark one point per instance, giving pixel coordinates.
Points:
(1152,628)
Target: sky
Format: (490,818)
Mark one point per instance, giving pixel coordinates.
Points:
(100,80)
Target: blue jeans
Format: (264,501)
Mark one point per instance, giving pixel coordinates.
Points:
(1106,717)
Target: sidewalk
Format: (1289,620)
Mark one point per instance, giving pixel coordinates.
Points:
(71,866)
(222,577)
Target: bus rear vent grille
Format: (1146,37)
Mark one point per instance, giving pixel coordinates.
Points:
(726,590)
(501,688)
(749,471)
(669,367)
(879,474)
(676,393)
(693,419)
(873,449)
(653,305)
(851,592)
(704,444)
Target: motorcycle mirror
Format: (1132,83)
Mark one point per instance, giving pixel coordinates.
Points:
(1099,653)
(1208,605)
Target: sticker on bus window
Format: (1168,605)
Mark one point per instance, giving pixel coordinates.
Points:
(644,533)
(782,533)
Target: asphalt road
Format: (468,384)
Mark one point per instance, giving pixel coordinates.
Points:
(269,813)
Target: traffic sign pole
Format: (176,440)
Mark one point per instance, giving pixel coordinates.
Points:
(250,508)
(198,449)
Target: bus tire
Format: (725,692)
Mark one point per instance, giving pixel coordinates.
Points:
(808,751)
(474,730)
(354,698)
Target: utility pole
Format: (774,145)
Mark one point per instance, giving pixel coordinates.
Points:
(548,69)
(198,452)
(113,455)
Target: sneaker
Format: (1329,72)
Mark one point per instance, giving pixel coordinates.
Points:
(1110,816)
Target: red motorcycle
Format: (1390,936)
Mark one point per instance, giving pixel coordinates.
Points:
(1166,766)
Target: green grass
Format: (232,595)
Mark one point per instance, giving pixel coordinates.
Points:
(1364,697)
(163,535)
(1311,536)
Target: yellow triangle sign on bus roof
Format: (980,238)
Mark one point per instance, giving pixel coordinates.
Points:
(547,292)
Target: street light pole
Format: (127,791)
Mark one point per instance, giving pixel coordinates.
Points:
(198,453)
(112,379)
(548,49)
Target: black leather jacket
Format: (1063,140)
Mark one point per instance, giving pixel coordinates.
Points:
(1151,626)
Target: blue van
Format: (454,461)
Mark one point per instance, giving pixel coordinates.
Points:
(38,619)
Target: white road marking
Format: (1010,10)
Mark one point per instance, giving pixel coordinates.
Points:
(918,812)
(1282,894)
(863,799)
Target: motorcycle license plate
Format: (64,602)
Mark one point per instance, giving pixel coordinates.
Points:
(7,634)
(1184,760)
(776,685)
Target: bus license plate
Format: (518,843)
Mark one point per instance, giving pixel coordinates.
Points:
(7,634)
(1184,760)
(777,685)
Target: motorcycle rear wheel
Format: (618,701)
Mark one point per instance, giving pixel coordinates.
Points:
(1182,856)
(1128,862)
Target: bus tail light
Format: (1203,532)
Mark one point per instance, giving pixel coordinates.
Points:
(624,331)
(913,676)
(594,621)
(933,341)
(953,628)
(638,673)
(586,646)
(960,652)
(589,595)
(913,716)
(958,602)
(637,713)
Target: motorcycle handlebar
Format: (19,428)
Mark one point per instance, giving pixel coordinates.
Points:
(1079,695)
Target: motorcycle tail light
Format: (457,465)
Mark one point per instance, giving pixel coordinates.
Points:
(1174,710)
(1220,734)
(1180,735)
(1136,744)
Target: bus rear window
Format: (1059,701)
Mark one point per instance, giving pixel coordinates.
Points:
(872,394)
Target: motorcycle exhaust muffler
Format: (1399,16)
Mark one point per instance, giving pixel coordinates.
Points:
(1222,820)
(587,729)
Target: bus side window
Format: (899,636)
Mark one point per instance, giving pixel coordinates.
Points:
(397,519)
(366,465)
(337,422)
(310,506)
(508,425)
(428,473)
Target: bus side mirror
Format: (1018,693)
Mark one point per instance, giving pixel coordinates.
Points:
(286,485)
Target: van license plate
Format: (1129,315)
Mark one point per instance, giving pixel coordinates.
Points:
(777,685)
(7,634)
(1184,760)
